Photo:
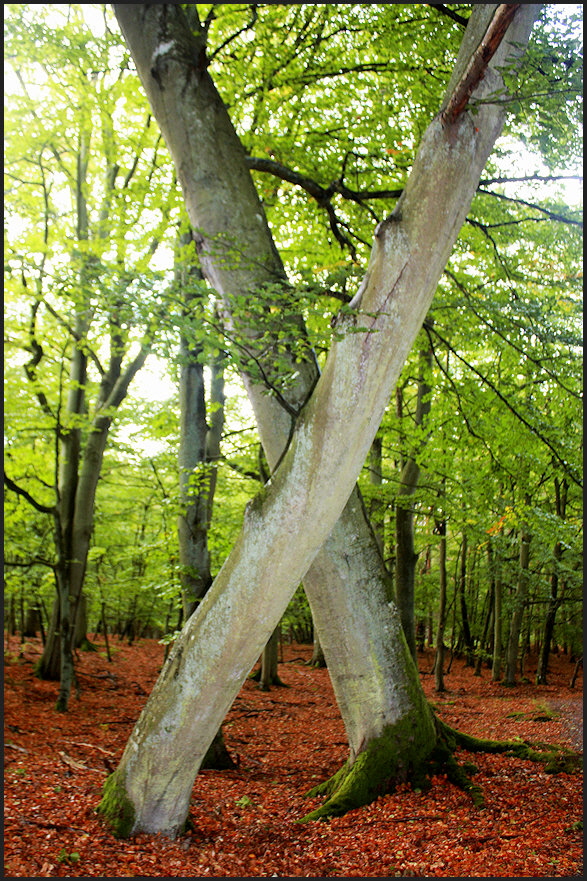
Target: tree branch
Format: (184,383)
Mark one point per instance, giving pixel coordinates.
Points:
(532,428)
(444,10)
(480,58)
(43,509)
(492,327)
(551,214)
(321,194)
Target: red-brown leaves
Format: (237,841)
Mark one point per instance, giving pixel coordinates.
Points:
(286,741)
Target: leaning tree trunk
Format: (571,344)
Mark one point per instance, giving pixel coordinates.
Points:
(288,522)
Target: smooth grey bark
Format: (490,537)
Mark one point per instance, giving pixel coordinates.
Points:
(286,525)
(224,208)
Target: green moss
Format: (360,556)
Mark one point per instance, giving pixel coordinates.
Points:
(399,754)
(554,758)
(415,749)
(116,807)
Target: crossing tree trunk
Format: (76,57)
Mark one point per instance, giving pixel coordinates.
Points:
(287,524)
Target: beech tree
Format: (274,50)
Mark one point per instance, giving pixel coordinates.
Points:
(286,524)
(86,338)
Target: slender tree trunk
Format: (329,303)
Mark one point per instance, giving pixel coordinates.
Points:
(487,621)
(556,598)
(269,662)
(462,586)
(194,476)
(406,556)
(376,503)
(440,647)
(497,616)
(286,525)
(520,602)
(317,659)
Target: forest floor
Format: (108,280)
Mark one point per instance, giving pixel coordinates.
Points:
(284,742)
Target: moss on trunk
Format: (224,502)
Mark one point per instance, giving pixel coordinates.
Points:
(116,807)
(405,754)
(398,754)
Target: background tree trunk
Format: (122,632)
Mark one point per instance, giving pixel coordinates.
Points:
(440,647)
(556,598)
(520,602)
(406,556)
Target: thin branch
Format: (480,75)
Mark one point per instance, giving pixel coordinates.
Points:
(76,336)
(247,27)
(541,178)
(244,472)
(321,194)
(551,214)
(43,509)
(498,332)
(475,70)
(444,10)
(532,428)
(37,561)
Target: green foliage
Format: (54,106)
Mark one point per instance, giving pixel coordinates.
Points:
(338,94)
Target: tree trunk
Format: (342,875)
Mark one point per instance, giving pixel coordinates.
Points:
(555,599)
(406,556)
(194,475)
(487,621)
(497,610)
(376,503)
(79,465)
(462,584)
(440,648)
(269,662)
(317,659)
(520,602)
(287,523)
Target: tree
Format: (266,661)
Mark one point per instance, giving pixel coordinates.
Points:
(293,516)
(81,295)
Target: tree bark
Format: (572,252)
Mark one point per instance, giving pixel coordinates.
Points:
(462,592)
(406,556)
(194,477)
(440,647)
(520,602)
(288,522)
(556,598)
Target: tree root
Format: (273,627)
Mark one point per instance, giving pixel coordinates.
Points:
(556,759)
(382,765)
